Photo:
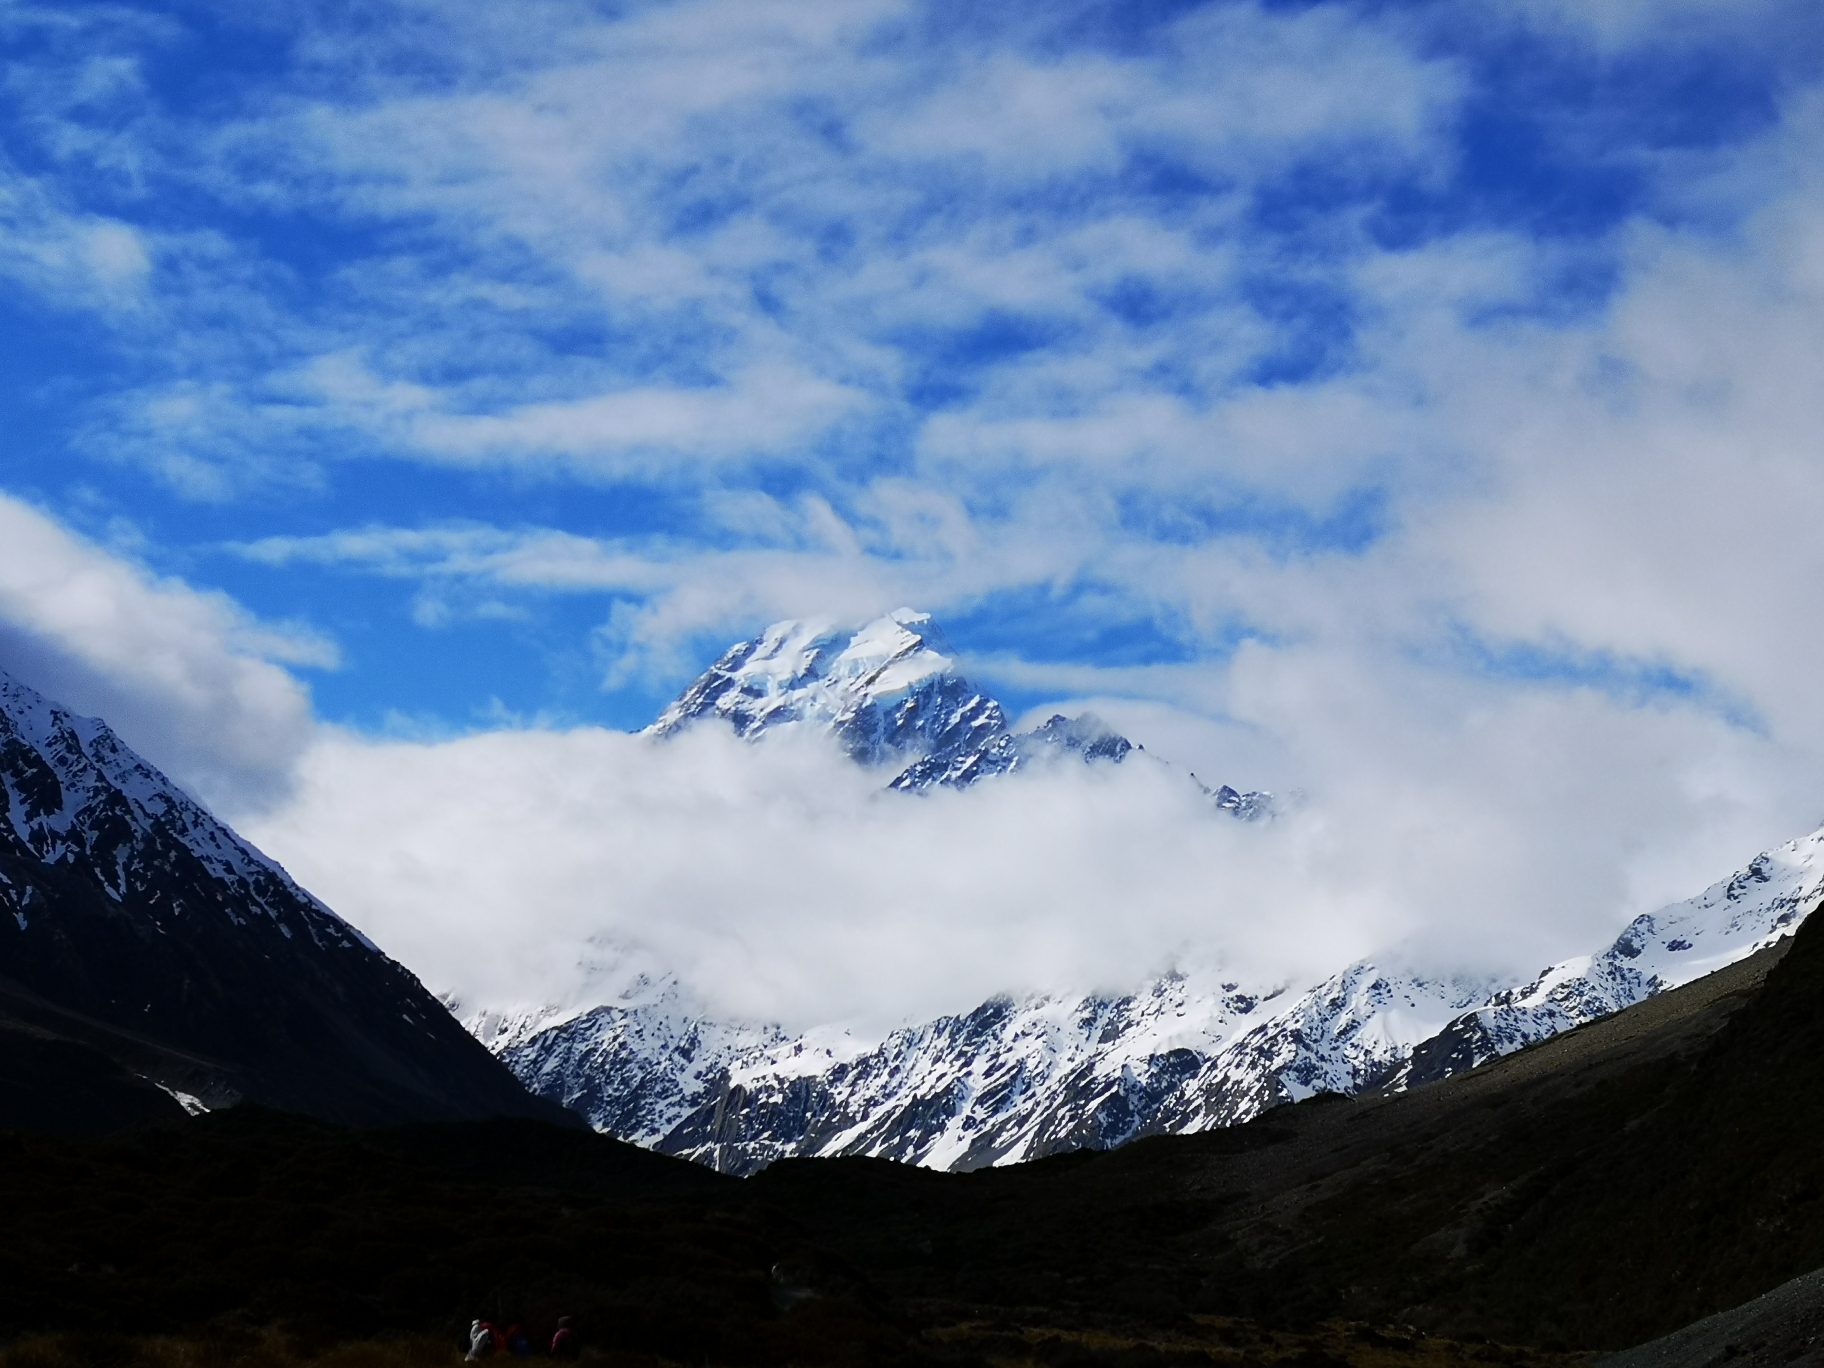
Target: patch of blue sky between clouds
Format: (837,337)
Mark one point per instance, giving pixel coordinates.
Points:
(1630,682)
(1079,624)
(1351,522)
(1030,646)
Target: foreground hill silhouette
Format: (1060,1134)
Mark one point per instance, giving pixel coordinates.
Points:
(1603,1188)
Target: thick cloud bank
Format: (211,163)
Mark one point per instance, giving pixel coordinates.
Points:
(779,882)
(186,675)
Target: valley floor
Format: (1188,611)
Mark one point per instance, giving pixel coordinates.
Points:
(1204,1343)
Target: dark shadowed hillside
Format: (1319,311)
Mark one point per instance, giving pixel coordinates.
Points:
(136,928)
(1595,1190)
(1604,1187)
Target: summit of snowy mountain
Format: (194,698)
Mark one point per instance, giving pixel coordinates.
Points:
(146,934)
(892,695)
(889,692)
(1018,1078)
(863,685)
(73,790)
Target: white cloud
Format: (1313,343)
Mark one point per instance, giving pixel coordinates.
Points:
(761,212)
(1489,828)
(760,411)
(187,677)
(78,258)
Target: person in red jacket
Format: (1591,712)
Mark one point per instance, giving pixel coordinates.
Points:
(563,1343)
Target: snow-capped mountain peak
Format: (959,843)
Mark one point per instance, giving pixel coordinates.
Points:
(70,782)
(892,694)
(889,692)
(137,927)
(1732,919)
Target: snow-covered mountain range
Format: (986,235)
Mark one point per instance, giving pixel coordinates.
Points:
(1011,1079)
(141,934)
(1014,1080)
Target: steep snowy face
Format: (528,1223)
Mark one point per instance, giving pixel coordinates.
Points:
(1085,738)
(633,1068)
(1011,1080)
(1017,1080)
(134,923)
(892,696)
(887,692)
(1008,1081)
(1349,1033)
(74,792)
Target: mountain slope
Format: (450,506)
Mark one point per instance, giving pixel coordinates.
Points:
(885,692)
(1011,1081)
(135,925)
(1604,1186)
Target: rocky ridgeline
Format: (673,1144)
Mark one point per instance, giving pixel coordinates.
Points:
(1014,1080)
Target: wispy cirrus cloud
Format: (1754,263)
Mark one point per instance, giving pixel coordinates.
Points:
(722,230)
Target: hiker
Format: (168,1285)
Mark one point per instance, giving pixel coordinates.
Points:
(519,1344)
(481,1340)
(563,1343)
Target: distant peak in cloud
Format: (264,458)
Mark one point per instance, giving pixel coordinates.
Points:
(890,693)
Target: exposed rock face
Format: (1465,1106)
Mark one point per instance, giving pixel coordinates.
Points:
(135,925)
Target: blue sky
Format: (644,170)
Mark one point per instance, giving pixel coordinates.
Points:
(1412,406)
(700,282)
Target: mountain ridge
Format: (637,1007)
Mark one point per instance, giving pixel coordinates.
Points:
(138,928)
(892,696)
